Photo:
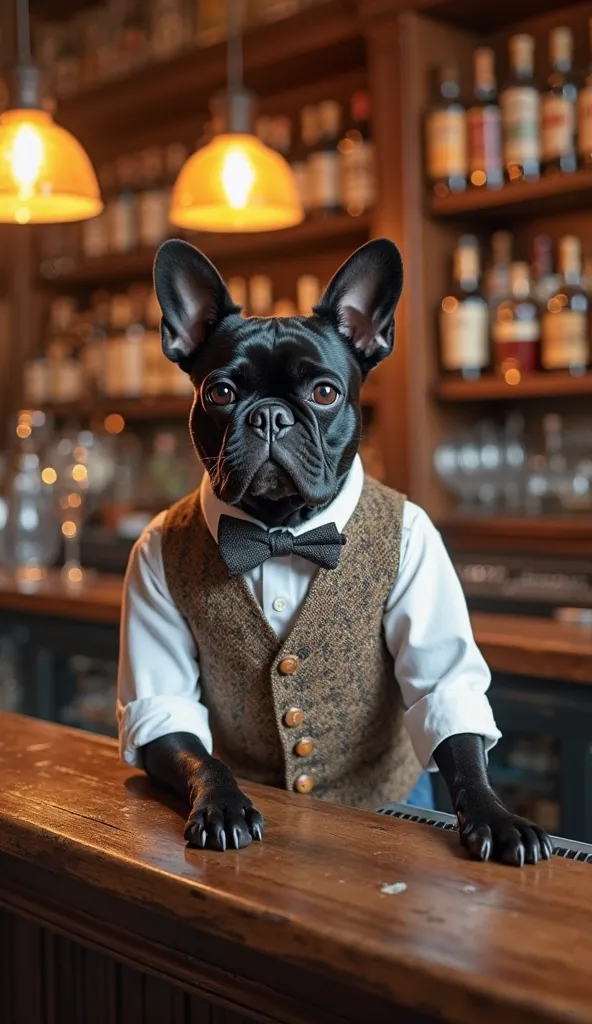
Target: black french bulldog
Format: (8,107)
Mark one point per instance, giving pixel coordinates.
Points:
(281,459)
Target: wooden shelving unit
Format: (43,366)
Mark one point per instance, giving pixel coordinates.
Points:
(568,534)
(337,232)
(491,388)
(519,200)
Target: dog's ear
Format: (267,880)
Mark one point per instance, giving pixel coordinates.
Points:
(193,298)
(361,298)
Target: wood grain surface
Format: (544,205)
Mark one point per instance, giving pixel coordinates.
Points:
(510,643)
(463,941)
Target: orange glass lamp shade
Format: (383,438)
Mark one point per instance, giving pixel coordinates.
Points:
(236,183)
(45,175)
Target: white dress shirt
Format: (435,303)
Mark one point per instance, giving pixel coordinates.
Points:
(441,673)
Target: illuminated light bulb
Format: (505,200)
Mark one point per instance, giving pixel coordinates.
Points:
(238,178)
(79,473)
(26,160)
(75,574)
(74,501)
(69,528)
(49,475)
(512,376)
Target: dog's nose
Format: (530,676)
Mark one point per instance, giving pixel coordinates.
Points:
(271,421)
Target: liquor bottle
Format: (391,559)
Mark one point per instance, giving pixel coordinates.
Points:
(93,353)
(520,105)
(260,295)
(153,200)
(585,112)
(308,137)
(168,33)
(123,212)
(155,375)
(484,125)
(65,371)
(120,318)
(324,161)
(308,293)
(358,166)
(565,321)
(284,307)
(558,106)
(545,282)
(464,316)
(516,328)
(446,136)
(497,277)
(281,134)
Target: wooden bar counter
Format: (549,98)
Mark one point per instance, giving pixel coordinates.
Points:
(106,916)
(515,644)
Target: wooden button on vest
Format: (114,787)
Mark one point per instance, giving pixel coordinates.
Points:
(304,747)
(288,666)
(293,717)
(304,784)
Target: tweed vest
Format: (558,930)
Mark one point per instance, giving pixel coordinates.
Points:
(344,682)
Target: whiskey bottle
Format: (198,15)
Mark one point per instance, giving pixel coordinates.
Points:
(260,295)
(497,278)
(516,328)
(558,106)
(520,105)
(446,136)
(358,170)
(585,112)
(484,125)
(565,321)
(324,161)
(545,282)
(464,316)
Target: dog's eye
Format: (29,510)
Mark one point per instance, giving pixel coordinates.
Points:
(221,394)
(325,394)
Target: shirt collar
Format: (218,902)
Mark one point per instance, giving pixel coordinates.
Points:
(339,511)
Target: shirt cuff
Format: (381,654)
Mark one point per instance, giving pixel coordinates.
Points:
(436,717)
(142,721)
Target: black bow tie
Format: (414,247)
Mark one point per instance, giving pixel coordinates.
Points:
(243,545)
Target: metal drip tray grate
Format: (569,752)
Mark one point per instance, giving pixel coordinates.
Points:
(569,849)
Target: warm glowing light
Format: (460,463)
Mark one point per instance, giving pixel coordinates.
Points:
(114,423)
(449,304)
(74,574)
(512,376)
(49,476)
(74,501)
(80,453)
(34,573)
(79,473)
(235,183)
(23,431)
(554,304)
(478,178)
(238,178)
(69,528)
(45,175)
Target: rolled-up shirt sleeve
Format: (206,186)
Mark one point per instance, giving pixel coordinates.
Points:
(158,678)
(440,670)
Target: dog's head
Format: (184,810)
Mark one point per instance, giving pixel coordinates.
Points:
(276,419)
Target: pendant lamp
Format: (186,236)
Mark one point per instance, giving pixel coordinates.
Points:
(235,182)
(45,175)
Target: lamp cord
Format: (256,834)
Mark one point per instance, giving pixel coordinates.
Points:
(23,31)
(234,52)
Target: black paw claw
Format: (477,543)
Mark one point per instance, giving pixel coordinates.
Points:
(236,838)
(203,838)
(257,833)
(222,841)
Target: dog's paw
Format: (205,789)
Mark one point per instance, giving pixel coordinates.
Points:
(223,818)
(494,833)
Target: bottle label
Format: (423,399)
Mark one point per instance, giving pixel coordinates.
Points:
(585,120)
(505,333)
(358,184)
(324,180)
(446,144)
(565,340)
(520,117)
(485,140)
(464,335)
(559,125)
(153,221)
